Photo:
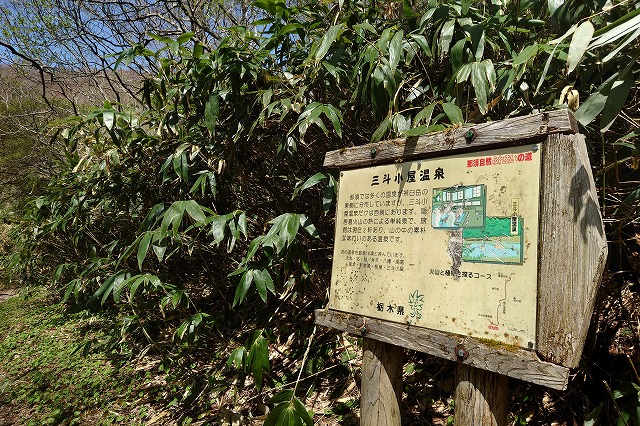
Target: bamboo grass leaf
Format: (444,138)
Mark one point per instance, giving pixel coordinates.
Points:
(579,44)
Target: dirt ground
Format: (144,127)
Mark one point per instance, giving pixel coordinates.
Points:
(6,294)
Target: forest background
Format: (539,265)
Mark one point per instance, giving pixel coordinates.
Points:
(161,171)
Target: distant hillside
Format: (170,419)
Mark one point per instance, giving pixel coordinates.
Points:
(30,112)
(70,90)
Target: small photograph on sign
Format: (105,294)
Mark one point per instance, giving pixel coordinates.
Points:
(459,207)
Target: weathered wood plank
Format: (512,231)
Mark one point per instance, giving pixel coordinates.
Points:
(481,397)
(509,361)
(573,250)
(509,132)
(381,393)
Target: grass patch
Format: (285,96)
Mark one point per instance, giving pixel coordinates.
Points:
(45,380)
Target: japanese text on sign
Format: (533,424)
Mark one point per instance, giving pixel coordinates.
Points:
(448,244)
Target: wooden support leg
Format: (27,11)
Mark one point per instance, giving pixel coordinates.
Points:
(381,392)
(481,397)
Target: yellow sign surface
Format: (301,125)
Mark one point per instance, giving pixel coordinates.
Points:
(447,243)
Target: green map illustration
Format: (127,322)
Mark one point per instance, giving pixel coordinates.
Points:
(485,239)
(497,242)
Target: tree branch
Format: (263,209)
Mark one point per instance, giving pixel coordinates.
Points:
(33,63)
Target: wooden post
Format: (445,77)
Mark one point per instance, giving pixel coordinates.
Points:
(481,397)
(381,388)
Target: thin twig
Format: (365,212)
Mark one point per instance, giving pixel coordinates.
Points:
(633,367)
(304,358)
(615,404)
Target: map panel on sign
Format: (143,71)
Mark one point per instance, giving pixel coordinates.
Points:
(447,243)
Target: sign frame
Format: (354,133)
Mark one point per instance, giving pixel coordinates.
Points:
(572,248)
(448,243)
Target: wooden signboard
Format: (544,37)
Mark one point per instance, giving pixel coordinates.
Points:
(448,243)
(482,245)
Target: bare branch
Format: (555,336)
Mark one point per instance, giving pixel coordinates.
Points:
(35,64)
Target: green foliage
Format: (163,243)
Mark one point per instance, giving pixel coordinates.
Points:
(254,357)
(289,411)
(624,401)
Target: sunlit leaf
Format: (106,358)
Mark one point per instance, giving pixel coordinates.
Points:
(242,224)
(143,247)
(109,118)
(383,41)
(327,41)
(453,112)
(335,116)
(194,210)
(395,50)
(624,43)
(263,281)
(174,47)
(237,358)
(423,43)
(463,73)
(579,43)
(172,217)
(554,5)
(159,246)
(424,116)
(311,182)
(218,225)
(526,54)
(401,123)
(616,30)
(615,100)
(308,226)
(243,287)
(290,228)
(490,72)
(185,37)
(480,86)
(446,35)
(551,55)
(416,131)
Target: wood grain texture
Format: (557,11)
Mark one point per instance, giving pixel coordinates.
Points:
(509,361)
(509,132)
(381,389)
(573,250)
(481,397)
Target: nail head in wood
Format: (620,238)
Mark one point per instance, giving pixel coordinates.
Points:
(470,135)
(461,352)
